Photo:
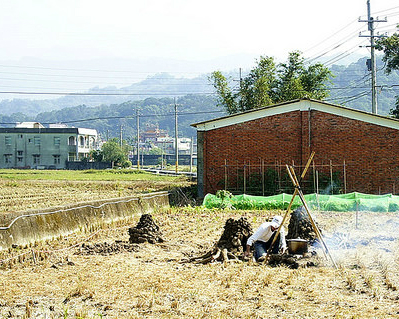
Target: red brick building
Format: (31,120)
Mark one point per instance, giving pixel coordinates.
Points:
(359,147)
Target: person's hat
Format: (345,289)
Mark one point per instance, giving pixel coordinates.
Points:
(276,221)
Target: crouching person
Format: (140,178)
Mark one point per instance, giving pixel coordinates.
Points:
(263,238)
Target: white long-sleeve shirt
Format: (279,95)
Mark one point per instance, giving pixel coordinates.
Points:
(264,232)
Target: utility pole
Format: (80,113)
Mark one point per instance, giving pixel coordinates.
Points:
(138,139)
(176,140)
(191,154)
(370,22)
(120,135)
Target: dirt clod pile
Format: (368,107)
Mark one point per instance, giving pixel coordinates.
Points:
(300,226)
(293,262)
(231,244)
(145,231)
(105,248)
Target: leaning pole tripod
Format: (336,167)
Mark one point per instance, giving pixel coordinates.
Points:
(298,191)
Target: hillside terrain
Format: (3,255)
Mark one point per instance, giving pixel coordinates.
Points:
(194,97)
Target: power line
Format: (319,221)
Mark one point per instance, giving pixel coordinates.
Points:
(122,117)
(92,70)
(103,94)
(329,37)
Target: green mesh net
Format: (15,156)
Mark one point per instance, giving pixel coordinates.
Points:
(339,203)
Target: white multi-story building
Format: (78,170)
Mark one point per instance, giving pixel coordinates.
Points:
(31,145)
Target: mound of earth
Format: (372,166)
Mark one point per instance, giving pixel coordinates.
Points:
(300,226)
(145,231)
(106,248)
(231,244)
(293,261)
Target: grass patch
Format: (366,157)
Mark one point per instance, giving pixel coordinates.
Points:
(85,175)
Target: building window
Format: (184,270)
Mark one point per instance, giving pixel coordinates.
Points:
(7,140)
(56,159)
(20,136)
(36,140)
(20,156)
(82,141)
(29,140)
(36,159)
(71,140)
(57,140)
(71,157)
(7,158)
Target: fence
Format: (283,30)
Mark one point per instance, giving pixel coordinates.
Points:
(268,179)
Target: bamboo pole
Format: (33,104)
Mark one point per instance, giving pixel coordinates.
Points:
(291,173)
(344,177)
(317,189)
(290,204)
(331,178)
(314,178)
(225,174)
(263,177)
(245,178)
(237,175)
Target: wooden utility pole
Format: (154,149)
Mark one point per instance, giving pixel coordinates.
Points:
(176,140)
(372,64)
(138,139)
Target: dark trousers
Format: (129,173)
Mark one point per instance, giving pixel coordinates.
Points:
(261,247)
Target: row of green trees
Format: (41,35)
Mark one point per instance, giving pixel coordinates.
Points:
(390,47)
(269,83)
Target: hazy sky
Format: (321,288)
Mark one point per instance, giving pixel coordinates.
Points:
(181,29)
(45,39)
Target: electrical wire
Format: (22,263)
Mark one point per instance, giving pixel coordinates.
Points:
(335,46)
(329,37)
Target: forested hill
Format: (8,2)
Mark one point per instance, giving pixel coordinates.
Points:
(153,112)
(352,87)
(106,113)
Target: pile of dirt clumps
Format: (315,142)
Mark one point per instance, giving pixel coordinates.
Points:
(293,261)
(105,248)
(231,244)
(145,231)
(300,226)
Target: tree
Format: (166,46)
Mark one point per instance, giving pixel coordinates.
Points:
(390,47)
(113,152)
(268,83)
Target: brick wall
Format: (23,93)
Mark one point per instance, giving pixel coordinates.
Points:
(368,150)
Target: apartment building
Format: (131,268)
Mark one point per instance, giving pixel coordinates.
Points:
(31,145)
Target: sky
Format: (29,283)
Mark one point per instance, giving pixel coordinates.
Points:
(185,36)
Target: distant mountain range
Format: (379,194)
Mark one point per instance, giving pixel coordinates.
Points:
(109,108)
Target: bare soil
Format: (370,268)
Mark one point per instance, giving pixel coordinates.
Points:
(101,274)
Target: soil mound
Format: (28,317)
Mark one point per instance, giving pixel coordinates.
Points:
(231,244)
(105,248)
(145,231)
(294,262)
(300,226)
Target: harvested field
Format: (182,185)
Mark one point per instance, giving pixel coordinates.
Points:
(18,193)
(103,275)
